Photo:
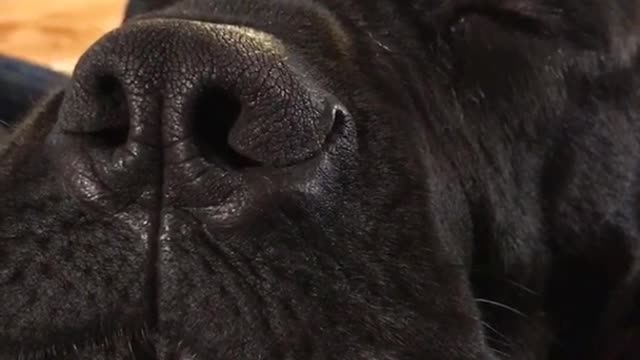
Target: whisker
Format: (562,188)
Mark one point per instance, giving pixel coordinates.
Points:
(522,287)
(501,353)
(495,331)
(501,305)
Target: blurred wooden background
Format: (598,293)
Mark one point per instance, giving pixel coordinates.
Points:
(55,32)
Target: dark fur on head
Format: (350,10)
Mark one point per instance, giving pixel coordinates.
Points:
(476,199)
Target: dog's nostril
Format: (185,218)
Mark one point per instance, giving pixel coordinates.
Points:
(215,113)
(113,109)
(339,118)
(109,86)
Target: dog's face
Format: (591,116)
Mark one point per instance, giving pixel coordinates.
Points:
(275,179)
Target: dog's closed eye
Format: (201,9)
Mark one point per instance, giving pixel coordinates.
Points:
(516,16)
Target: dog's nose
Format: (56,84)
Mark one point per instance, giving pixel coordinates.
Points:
(228,94)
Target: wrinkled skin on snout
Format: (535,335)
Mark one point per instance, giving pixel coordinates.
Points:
(343,179)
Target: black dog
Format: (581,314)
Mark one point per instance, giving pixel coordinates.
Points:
(332,179)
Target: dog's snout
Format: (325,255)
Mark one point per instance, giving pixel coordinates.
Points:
(230,95)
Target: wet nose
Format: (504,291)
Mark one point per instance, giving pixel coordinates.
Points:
(228,94)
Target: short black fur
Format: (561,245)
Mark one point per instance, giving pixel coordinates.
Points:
(421,179)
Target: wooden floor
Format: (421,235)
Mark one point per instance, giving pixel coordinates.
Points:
(55,32)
